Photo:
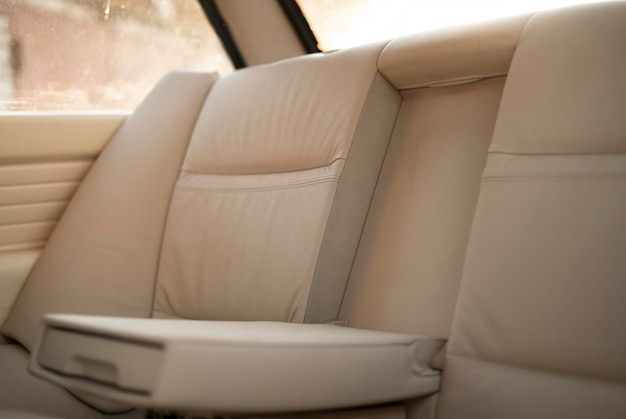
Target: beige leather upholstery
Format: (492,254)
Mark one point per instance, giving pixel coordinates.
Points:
(539,327)
(14,269)
(534,250)
(24,392)
(103,255)
(248,23)
(43,158)
(233,367)
(408,267)
(451,56)
(250,210)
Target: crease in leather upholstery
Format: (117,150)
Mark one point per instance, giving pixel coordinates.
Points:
(258,244)
(520,166)
(568,236)
(256,183)
(267,119)
(524,393)
(473,388)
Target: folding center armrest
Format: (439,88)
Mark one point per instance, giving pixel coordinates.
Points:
(233,367)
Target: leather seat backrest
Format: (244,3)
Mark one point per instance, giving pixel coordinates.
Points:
(279,163)
(539,326)
(264,189)
(408,267)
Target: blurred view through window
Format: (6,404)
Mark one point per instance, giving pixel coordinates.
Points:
(345,23)
(98,54)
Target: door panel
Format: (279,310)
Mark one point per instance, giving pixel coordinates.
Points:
(14,268)
(43,158)
(55,137)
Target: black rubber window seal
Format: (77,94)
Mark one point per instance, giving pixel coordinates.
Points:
(300,25)
(212,13)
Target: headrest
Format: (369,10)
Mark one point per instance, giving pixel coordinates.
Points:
(566,91)
(452,55)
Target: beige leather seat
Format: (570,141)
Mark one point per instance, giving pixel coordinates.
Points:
(278,167)
(537,327)
(417,229)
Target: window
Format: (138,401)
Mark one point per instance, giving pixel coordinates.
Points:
(346,23)
(98,54)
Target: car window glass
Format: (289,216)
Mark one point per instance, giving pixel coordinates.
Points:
(98,54)
(345,23)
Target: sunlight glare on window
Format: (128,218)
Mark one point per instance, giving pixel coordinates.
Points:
(99,54)
(346,23)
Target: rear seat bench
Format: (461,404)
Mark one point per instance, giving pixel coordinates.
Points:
(540,316)
(537,329)
(263,183)
(408,267)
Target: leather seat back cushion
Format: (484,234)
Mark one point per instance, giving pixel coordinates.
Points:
(539,326)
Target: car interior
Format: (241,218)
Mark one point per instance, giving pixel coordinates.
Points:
(427,227)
